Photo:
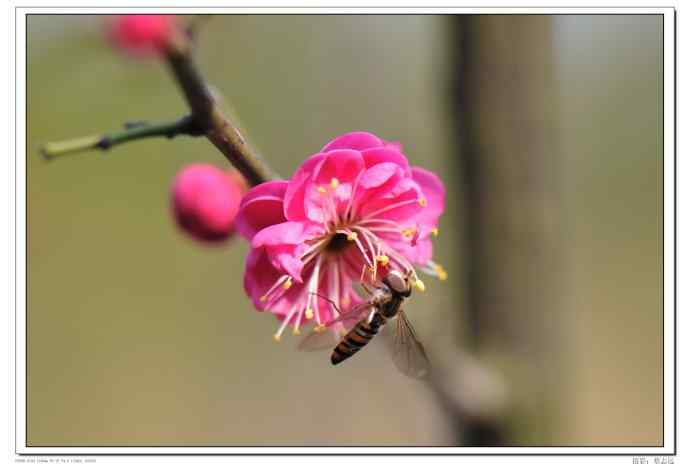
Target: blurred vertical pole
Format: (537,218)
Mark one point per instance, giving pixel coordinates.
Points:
(504,110)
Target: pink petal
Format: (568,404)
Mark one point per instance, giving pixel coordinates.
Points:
(289,232)
(355,141)
(343,165)
(259,276)
(294,195)
(394,144)
(433,189)
(420,253)
(261,207)
(435,194)
(405,194)
(377,175)
(389,154)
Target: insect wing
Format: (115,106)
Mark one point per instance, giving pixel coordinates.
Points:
(325,337)
(408,353)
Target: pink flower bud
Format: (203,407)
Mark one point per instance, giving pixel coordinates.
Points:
(141,35)
(205,201)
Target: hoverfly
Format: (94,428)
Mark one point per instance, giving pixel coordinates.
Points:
(384,304)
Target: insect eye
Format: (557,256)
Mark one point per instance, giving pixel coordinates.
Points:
(397,282)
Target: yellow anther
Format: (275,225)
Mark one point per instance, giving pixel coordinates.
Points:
(320,328)
(343,332)
(383,260)
(422,201)
(352,236)
(409,232)
(345,301)
(295,331)
(309,314)
(287,284)
(276,337)
(321,190)
(441,272)
(434,231)
(263,298)
(334,183)
(419,285)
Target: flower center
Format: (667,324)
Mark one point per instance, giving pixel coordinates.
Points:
(337,243)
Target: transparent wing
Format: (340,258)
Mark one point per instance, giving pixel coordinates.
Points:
(325,337)
(408,353)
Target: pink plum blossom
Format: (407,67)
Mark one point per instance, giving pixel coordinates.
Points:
(349,214)
(141,35)
(205,201)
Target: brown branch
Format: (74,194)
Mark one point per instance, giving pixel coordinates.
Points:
(218,128)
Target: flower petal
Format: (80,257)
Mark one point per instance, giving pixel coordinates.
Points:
(354,140)
(435,195)
(388,154)
(433,189)
(287,233)
(294,195)
(261,207)
(400,202)
(259,276)
(420,253)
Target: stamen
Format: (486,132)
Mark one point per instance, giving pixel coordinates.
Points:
(419,284)
(334,183)
(409,232)
(434,231)
(383,260)
(309,313)
(434,269)
(321,190)
(320,328)
(349,213)
(422,201)
(442,275)
(279,282)
(286,320)
(288,284)
(352,236)
(295,331)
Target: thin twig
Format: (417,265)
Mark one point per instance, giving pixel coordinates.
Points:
(133,131)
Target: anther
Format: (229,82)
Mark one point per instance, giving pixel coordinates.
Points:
(334,183)
(276,337)
(383,260)
(442,274)
(320,328)
(409,232)
(295,331)
(434,231)
(287,284)
(309,314)
(419,285)
(352,236)
(422,201)
(263,298)
(321,190)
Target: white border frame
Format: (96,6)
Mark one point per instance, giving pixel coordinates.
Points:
(669,190)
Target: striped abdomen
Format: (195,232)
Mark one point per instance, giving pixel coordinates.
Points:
(357,338)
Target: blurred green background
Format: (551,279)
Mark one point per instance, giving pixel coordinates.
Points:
(139,336)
